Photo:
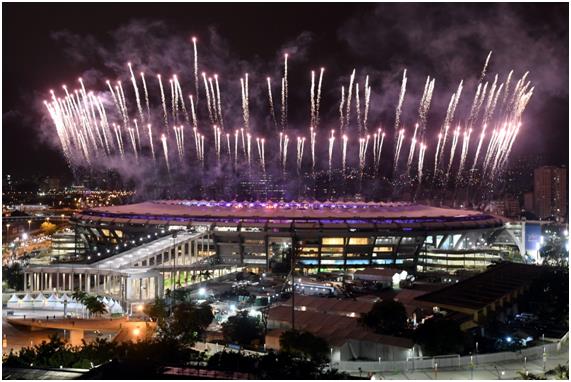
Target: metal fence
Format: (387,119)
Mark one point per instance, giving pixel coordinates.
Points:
(453,360)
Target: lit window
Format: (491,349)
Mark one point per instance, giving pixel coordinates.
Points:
(359,240)
(332,241)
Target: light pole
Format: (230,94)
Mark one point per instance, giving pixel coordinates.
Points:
(29,225)
(331,358)
(174,260)
(8,234)
(436,371)
(476,352)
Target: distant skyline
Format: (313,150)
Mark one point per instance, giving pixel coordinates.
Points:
(446,41)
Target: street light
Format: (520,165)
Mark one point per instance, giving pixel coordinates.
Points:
(331,359)
(29,225)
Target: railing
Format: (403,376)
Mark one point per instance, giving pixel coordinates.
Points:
(452,361)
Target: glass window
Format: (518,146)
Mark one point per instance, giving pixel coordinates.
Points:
(359,240)
(332,241)
(331,254)
(332,262)
(382,261)
(357,262)
(226,229)
(332,249)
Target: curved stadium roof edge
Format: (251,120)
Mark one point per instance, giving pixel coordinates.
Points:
(397,215)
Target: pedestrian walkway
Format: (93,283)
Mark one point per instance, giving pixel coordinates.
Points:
(501,370)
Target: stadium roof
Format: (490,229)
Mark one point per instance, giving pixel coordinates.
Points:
(407,216)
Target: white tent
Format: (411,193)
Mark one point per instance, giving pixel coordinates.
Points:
(13,302)
(27,302)
(53,302)
(115,308)
(73,304)
(40,301)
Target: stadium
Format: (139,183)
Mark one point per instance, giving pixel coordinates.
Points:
(323,236)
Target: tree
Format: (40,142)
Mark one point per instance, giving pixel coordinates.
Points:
(554,253)
(439,336)
(187,323)
(13,275)
(526,375)
(207,275)
(48,228)
(307,345)
(94,305)
(79,295)
(242,329)
(559,372)
(128,360)
(179,318)
(386,317)
(272,365)
(156,311)
(181,295)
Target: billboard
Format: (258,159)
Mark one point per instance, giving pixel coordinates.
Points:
(532,236)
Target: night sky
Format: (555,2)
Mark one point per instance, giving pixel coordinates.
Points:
(45,46)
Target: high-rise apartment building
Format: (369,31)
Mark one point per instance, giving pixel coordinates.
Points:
(550,192)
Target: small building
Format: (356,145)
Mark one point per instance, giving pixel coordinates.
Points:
(386,276)
(331,306)
(494,291)
(348,338)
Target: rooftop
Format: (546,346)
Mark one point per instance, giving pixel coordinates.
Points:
(331,305)
(399,214)
(335,329)
(483,289)
(384,272)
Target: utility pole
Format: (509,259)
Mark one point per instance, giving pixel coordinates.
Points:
(174,260)
(292,268)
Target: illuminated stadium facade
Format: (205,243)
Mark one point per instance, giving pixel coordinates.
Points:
(324,236)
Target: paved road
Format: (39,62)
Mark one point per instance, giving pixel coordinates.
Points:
(502,370)
(71,324)
(18,333)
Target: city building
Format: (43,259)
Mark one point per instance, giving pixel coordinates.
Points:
(65,244)
(141,273)
(528,201)
(550,192)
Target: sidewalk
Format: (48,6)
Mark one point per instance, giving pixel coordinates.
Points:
(501,370)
